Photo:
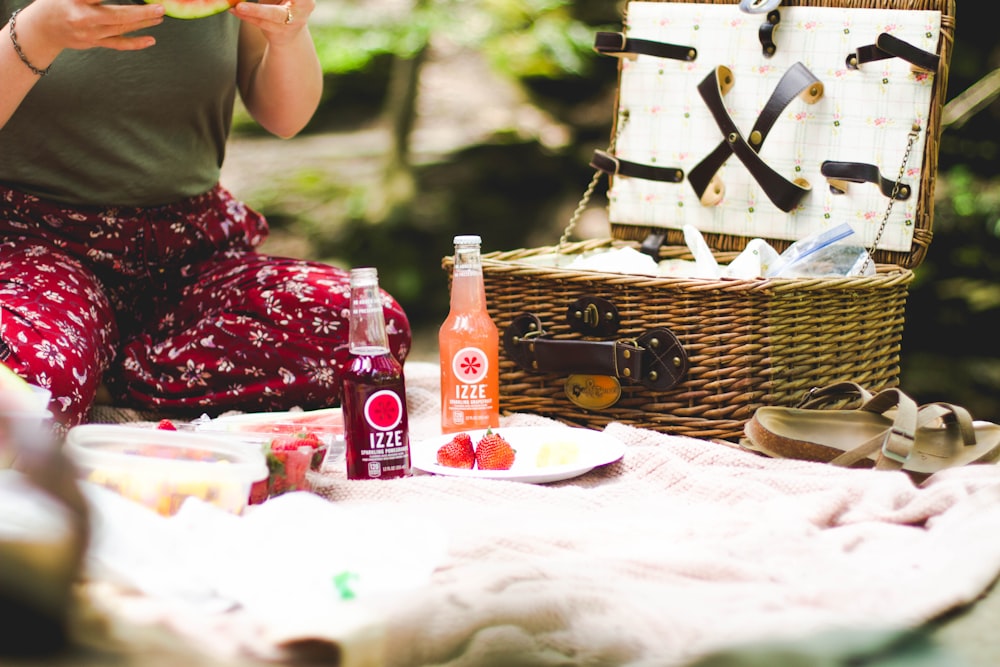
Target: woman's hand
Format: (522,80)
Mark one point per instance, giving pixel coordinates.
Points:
(279,20)
(49,26)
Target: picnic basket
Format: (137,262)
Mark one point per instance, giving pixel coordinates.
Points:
(697,356)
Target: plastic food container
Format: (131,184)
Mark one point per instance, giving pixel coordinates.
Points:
(327,424)
(161,469)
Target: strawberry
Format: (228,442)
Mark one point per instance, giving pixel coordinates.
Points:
(258,492)
(494,453)
(166,425)
(457,453)
(302,438)
(288,459)
(289,443)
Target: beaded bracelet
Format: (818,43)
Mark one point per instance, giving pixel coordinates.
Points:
(17,47)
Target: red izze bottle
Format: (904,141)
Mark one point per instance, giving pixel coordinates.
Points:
(374,398)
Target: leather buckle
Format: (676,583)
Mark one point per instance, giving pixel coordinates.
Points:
(617,164)
(605,162)
(888,453)
(604,43)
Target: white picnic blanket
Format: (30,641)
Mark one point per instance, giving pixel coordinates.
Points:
(682,547)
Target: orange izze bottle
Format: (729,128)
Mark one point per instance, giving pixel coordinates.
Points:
(469,346)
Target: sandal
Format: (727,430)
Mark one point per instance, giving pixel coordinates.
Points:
(887,432)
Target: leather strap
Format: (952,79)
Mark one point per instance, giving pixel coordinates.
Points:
(651,244)
(950,415)
(589,357)
(617,44)
(655,359)
(614,166)
(765,33)
(888,46)
(858,172)
(798,81)
(818,397)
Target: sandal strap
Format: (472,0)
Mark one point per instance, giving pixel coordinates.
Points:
(951,415)
(896,444)
(892,445)
(838,391)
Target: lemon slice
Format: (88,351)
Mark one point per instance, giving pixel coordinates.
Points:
(557,453)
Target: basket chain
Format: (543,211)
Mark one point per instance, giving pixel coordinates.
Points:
(588,193)
(911,139)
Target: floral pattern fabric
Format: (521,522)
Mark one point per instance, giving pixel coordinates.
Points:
(171,307)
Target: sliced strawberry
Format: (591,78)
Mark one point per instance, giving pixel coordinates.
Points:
(166,425)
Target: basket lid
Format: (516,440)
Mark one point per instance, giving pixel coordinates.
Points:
(744,131)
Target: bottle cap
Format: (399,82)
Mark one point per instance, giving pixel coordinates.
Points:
(468,239)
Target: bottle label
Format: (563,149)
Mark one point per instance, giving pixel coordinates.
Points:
(384,410)
(469,366)
(377,440)
(366,305)
(386,443)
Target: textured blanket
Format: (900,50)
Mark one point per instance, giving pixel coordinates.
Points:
(681,548)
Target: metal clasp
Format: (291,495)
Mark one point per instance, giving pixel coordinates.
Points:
(888,453)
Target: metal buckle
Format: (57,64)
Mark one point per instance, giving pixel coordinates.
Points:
(886,452)
(808,397)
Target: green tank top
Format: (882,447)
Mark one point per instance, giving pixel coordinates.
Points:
(137,128)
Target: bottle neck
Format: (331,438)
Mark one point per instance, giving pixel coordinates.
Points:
(367,333)
(468,291)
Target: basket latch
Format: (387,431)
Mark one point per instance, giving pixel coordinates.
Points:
(593,316)
(655,359)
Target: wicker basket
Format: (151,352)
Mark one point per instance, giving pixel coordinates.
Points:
(748,342)
(736,344)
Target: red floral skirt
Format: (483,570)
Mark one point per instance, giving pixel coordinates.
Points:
(171,307)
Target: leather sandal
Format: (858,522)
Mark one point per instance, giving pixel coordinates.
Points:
(887,432)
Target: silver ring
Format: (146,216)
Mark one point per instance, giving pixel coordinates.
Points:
(288,14)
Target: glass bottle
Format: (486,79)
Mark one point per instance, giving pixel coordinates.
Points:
(373,391)
(468,345)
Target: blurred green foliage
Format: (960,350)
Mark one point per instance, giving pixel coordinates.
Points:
(950,350)
(950,344)
(520,37)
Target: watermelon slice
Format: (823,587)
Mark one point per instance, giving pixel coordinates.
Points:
(193,9)
(323,420)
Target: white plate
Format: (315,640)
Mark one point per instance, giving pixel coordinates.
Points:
(595,449)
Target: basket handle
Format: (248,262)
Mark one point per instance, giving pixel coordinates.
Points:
(655,359)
